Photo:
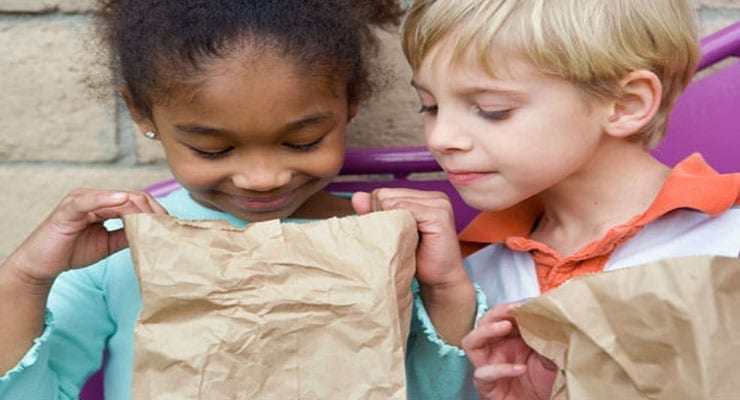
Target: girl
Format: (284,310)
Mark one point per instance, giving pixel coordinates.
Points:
(250,101)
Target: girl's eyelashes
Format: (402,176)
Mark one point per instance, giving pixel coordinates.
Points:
(211,155)
(304,147)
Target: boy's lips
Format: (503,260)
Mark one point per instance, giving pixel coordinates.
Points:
(465,177)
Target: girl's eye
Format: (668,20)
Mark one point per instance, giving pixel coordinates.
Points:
(493,115)
(428,109)
(211,155)
(304,147)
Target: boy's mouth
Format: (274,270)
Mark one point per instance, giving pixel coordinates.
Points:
(465,177)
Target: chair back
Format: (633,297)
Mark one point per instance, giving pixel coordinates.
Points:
(706,118)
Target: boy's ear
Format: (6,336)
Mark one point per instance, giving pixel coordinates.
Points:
(637,105)
(142,121)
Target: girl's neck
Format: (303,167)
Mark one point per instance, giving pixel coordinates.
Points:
(611,190)
(324,205)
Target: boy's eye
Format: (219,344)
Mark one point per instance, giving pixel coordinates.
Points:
(494,115)
(304,147)
(211,155)
(428,109)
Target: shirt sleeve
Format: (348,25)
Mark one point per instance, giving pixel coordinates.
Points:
(436,370)
(71,346)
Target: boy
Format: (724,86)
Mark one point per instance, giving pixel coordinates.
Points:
(542,113)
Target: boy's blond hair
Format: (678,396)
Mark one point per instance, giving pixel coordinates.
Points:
(592,43)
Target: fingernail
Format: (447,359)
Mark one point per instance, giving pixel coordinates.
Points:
(118,196)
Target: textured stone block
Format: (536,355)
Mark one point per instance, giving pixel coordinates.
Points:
(45,6)
(47,112)
(30,193)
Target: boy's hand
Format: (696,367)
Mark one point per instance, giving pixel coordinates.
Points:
(438,257)
(446,290)
(73,235)
(505,367)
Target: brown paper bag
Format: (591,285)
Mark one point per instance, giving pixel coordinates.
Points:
(319,310)
(666,330)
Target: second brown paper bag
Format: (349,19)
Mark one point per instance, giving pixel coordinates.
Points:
(667,330)
(319,310)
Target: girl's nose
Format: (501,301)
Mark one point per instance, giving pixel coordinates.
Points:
(261,176)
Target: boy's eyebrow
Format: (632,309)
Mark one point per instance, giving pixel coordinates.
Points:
(474,90)
(291,126)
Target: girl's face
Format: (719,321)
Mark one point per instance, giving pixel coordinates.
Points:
(256,139)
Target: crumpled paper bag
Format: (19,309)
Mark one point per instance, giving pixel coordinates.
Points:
(665,330)
(319,310)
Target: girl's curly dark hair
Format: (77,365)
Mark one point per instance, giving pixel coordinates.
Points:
(157,49)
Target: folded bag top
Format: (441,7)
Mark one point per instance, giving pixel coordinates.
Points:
(317,310)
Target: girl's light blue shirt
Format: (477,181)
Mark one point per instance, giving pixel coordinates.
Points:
(95,308)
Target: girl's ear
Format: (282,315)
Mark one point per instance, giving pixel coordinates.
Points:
(352,111)
(637,105)
(142,121)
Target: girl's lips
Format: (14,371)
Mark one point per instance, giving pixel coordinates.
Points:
(262,203)
(462,178)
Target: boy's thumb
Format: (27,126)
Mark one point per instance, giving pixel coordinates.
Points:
(362,202)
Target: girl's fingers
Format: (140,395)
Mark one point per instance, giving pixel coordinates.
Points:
(117,240)
(141,202)
(83,207)
(79,203)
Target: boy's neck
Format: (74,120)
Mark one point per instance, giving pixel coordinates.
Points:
(620,182)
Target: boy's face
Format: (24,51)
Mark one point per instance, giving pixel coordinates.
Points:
(258,139)
(502,140)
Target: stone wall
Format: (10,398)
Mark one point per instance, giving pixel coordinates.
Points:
(55,134)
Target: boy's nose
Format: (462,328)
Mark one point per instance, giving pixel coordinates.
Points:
(445,133)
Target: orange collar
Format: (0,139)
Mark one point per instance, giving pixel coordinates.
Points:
(691,184)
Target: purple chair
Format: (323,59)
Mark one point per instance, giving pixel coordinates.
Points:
(706,120)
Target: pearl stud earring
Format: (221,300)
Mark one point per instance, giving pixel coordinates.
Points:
(150,134)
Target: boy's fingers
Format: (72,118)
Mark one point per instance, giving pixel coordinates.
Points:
(498,313)
(362,202)
(479,342)
(490,373)
(482,335)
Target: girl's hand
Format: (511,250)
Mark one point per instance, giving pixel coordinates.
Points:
(446,290)
(73,235)
(505,367)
